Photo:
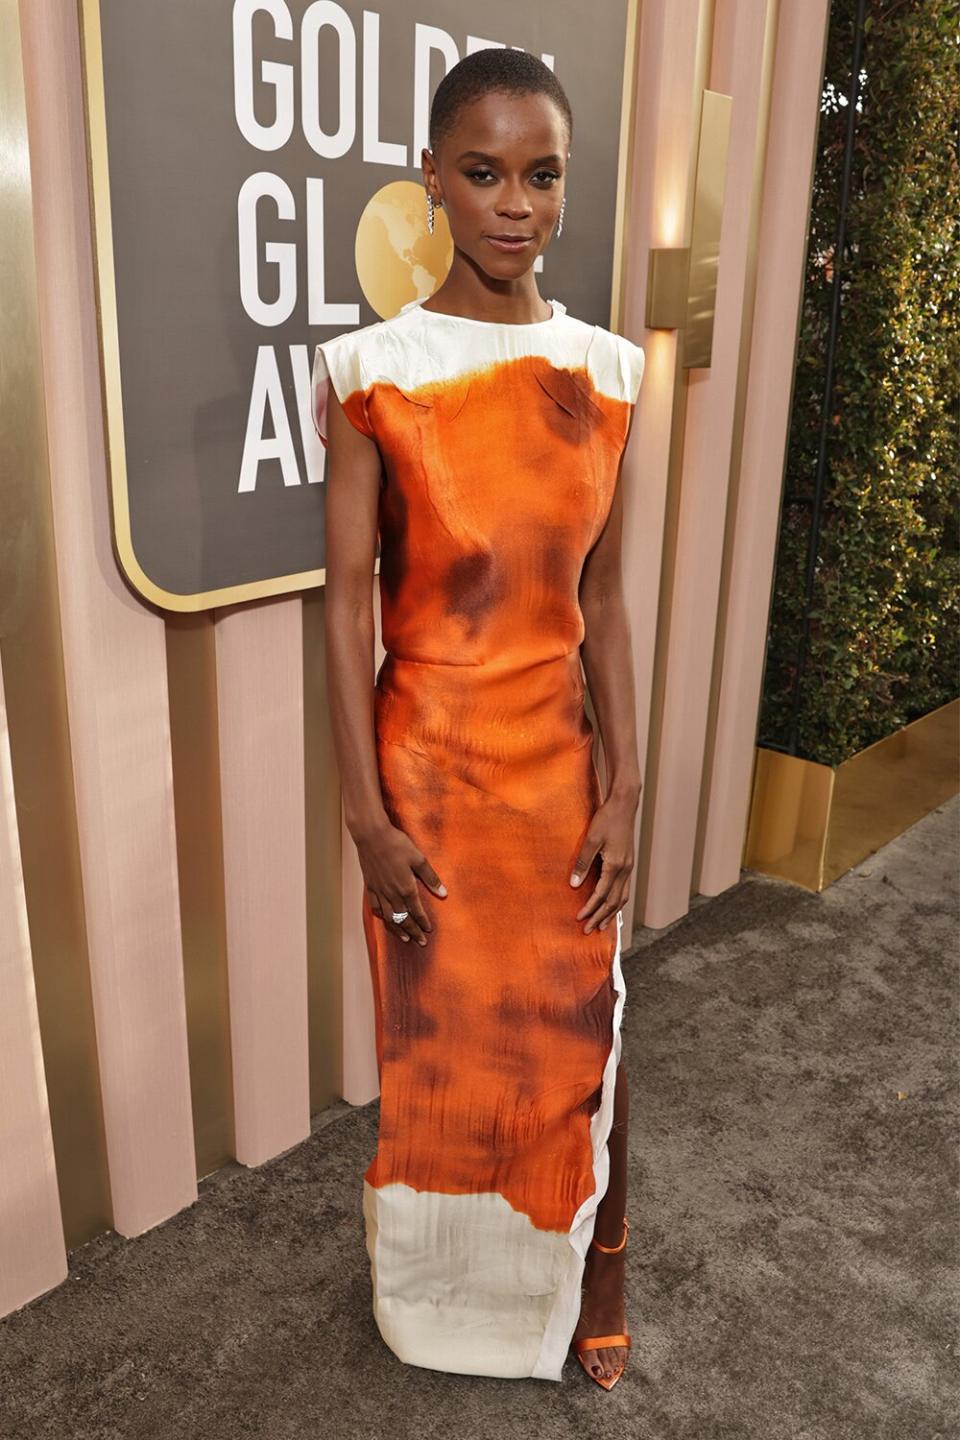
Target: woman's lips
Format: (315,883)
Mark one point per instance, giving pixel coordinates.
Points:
(509,245)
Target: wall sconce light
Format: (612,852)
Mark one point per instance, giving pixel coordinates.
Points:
(682,281)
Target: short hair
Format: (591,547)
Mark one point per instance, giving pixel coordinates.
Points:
(515,72)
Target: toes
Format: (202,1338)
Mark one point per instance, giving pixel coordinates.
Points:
(612,1360)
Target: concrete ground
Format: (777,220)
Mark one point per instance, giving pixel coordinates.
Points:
(793,1258)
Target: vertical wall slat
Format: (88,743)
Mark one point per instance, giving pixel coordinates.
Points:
(32,1254)
(36,704)
(784,227)
(195,753)
(670,62)
(260,707)
(324,840)
(116,686)
(741,67)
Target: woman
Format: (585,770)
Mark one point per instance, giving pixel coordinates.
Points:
(481,431)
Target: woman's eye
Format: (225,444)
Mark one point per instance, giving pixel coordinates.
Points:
(543,178)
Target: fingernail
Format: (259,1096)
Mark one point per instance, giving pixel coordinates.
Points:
(404,937)
(441,889)
(575,878)
(423,942)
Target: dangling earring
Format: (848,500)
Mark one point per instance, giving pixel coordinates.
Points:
(430,213)
(560,221)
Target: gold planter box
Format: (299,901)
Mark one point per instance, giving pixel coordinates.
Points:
(810,823)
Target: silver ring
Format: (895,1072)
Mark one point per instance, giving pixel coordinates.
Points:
(399,915)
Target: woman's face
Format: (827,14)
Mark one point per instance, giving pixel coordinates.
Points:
(500,172)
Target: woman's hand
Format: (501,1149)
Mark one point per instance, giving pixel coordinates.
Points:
(391,864)
(610,832)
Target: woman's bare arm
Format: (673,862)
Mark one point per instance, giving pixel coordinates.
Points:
(352,480)
(390,861)
(607,653)
(608,666)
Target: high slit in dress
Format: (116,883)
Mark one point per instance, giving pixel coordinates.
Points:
(498,1042)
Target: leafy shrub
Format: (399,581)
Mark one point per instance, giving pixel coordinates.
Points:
(878,586)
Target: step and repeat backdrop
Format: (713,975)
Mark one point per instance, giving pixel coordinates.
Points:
(257,188)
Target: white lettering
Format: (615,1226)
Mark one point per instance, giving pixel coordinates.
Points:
(272,136)
(266,397)
(375,150)
(427,39)
(283,254)
(323,14)
(319,312)
(313,451)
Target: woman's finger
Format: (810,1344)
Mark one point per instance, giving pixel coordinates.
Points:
(607,896)
(600,892)
(610,872)
(415,919)
(619,895)
(429,876)
(615,905)
(588,853)
(382,907)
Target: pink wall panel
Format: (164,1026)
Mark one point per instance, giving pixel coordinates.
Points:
(32,1254)
(115,680)
(791,149)
(670,44)
(260,705)
(738,68)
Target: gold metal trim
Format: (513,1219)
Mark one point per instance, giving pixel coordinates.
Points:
(682,281)
(109,346)
(811,823)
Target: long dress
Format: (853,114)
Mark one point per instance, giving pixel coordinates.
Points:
(497,1043)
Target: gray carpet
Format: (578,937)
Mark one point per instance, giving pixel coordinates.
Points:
(793,1257)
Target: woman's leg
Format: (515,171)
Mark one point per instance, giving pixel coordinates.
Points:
(602,1307)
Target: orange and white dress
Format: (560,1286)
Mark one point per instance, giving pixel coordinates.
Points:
(497,1042)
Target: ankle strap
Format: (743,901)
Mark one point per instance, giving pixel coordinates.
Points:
(614,1249)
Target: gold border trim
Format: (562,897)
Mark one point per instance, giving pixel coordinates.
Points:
(625,162)
(98,165)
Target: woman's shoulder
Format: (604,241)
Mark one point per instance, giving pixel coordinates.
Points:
(616,363)
(407,351)
(367,348)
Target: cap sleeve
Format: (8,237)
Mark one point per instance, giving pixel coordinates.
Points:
(632,361)
(339,363)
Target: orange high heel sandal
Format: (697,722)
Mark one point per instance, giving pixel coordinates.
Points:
(599,1342)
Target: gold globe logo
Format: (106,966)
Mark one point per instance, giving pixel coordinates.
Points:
(397,258)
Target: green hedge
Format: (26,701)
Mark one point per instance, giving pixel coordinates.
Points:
(884,613)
